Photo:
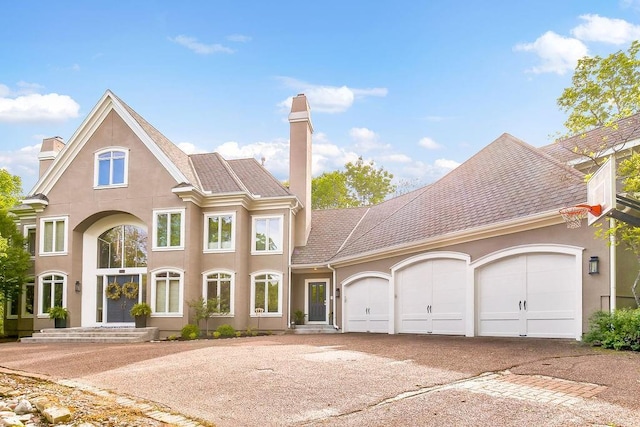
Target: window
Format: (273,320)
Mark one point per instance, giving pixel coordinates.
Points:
(266,294)
(52,293)
(166,293)
(267,234)
(111,168)
(123,246)
(27,300)
(219,285)
(12,308)
(53,236)
(168,228)
(219,232)
(30,239)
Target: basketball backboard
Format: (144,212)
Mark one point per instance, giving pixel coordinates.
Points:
(601,189)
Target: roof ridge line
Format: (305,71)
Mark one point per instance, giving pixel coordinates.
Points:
(418,194)
(351,233)
(538,151)
(232,173)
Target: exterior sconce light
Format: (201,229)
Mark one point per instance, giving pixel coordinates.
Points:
(594,265)
(78,286)
(337,292)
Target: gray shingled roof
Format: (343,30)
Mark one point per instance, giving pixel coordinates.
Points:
(329,229)
(508,179)
(595,140)
(215,174)
(257,179)
(175,154)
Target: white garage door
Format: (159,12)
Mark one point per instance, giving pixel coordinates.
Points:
(431,297)
(528,295)
(366,305)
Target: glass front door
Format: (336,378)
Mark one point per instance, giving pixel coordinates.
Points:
(317,301)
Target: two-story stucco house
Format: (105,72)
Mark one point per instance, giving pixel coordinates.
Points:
(482,251)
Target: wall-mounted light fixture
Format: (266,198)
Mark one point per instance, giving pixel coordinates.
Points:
(78,286)
(594,265)
(337,292)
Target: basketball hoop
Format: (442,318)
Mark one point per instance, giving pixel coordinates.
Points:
(573,215)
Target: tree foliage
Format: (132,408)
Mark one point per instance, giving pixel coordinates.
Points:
(14,259)
(360,184)
(603,91)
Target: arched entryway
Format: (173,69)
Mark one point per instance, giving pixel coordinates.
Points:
(114,270)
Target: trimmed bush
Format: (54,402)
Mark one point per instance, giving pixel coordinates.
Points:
(226,331)
(190,332)
(619,330)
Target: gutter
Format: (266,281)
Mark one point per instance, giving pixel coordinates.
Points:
(335,303)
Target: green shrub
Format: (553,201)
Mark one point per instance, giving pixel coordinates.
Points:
(216,334)
(619,330)
(238,334)
(226,331)
(190,332)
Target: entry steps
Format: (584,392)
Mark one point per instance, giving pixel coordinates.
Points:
(315,329)
(93,335)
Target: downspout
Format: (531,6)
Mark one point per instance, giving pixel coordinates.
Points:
(333,280)
(289,264)
(612,267)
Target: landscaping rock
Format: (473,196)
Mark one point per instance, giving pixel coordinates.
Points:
(57,414)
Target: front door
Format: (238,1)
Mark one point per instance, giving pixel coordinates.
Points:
(317,301)
(121,292)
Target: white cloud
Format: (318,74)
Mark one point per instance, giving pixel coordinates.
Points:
(557,54)
(429,143)
(608,30)
(194,45)
(366,140)
(25,105)
(238,38)
(425,172)
(328,99)
(189,148)
(396,158)
(446,164)
(22,162)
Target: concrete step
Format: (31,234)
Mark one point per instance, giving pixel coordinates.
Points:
(93,335)
(315,329)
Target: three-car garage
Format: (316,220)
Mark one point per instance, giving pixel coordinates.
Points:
(533,291)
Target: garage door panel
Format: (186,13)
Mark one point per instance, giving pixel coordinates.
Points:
(367,305)
(545,281)
(429,291)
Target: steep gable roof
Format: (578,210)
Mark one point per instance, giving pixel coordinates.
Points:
(215,174)
(257,179)
(626,131)
(505,181)
(165,151)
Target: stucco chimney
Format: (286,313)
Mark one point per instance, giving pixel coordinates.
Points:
(49,151)
(300,164)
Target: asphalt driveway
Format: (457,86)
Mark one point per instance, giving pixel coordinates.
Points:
(357,379)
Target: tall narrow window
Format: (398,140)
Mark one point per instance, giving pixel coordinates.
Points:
(267,234)
(28,300)
(52,292)
(266,294)
(219,285)
(168,229)
(111,168)
(219,230)
(30,239)
(53,236)
(167,293)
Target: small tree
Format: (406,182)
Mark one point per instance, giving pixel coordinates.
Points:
(204,309)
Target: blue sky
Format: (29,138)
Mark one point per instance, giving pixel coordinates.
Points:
(416,86)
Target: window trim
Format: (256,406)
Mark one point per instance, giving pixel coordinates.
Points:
(252,299)
(154,311)
(232,290)
(40,313)
(25,232)
(8,314)
(156,213)
(255,251)
(65,221)
(96,168)
(205,238)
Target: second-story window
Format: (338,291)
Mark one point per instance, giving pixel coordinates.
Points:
(111,168)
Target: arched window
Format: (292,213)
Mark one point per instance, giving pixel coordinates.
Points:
(167,293)
(52,291)
(266,294)
(123,246)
